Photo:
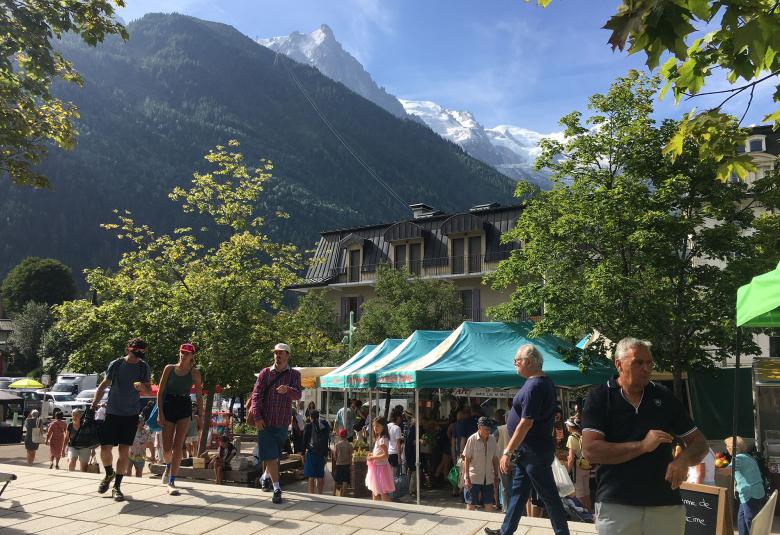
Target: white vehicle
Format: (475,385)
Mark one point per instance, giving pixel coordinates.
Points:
(74,383)
(84,399)
(63,401)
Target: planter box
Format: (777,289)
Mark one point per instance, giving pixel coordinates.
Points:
(358,472)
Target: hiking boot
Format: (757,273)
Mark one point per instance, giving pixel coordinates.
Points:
(166,476)
(266,485)
(117,495)
(172,490)
(105,483)
(277,496)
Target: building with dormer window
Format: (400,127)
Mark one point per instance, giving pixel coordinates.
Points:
(457,247)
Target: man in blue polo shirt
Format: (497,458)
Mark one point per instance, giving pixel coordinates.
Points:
(529,424)
(628,426)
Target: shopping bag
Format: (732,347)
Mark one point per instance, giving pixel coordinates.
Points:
(38,435)
(401,486)
(154,427)
(562,479)
(454,476)
(88,433)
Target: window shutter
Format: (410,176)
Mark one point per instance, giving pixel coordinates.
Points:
(359,307)
(476,312)
(345,310)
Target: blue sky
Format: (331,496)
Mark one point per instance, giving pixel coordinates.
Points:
(506,61)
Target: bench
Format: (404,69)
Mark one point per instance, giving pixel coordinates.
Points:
(236,476)
(5,479)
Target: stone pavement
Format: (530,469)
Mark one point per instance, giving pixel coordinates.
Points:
(60,502)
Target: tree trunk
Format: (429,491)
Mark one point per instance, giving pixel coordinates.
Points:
(204,432)
(677,384)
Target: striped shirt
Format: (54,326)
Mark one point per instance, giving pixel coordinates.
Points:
(273,408)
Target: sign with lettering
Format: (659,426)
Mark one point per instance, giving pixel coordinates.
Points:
(483,393)
(707,510)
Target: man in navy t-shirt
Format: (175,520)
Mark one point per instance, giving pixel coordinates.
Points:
(529,424)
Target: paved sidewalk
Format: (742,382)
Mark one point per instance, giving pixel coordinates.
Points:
(60,502)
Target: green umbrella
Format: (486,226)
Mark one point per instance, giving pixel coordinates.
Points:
(25,383)
(758,303)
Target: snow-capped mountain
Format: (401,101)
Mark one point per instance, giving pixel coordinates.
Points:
(510,149)
(321,50)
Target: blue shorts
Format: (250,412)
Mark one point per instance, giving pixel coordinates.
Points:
(270,442)
(314,465)
(479,494)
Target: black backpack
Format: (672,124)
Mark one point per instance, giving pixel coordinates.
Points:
(320,437)
(765,479)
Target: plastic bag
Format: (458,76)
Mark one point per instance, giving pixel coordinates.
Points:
(454,476)
(562,479)
(154,427)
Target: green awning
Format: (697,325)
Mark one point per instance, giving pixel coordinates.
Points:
(758,303)
(338,377)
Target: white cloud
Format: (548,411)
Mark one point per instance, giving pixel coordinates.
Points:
(366,22)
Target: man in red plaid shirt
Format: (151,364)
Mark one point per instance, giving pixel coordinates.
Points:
(276,387)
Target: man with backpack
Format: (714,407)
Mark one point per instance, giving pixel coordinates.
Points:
(127,376)
(276,387)
(316,444)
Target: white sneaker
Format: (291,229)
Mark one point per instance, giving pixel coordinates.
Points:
(166,476)
(172,490)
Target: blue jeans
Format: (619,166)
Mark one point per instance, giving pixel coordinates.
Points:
(746,513)
(534,469)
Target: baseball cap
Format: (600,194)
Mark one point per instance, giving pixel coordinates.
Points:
(187,347)
(484,421)
(281,347)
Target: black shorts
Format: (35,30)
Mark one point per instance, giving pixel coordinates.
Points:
(341,474)
(393,459)
(177,408)
(118,430)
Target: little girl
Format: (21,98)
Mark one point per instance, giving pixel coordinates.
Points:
(379,478)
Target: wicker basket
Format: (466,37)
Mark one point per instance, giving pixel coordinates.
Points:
(358,473)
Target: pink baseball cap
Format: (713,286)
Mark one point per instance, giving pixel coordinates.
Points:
(187,347)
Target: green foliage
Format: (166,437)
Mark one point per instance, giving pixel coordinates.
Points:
(139,139)
(311,330)
(30,324)
(217,286)
(31,117)
(42,280)
(632,244)
(54,350)
(743,41)
(403,304)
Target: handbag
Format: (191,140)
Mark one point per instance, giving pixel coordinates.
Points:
(38,436)
(88,433)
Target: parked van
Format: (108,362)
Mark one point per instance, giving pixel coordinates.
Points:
(74,383)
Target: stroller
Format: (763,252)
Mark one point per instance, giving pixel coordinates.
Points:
(575,510)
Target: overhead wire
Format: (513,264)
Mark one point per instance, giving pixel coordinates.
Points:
(340,138)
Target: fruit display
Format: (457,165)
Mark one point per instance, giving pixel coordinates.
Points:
(360,451)
(721,460)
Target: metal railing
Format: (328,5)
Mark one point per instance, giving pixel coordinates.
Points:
(429,267)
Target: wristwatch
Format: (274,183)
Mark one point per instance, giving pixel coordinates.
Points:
(507,453)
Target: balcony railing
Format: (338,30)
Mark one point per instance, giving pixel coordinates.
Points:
(429,267)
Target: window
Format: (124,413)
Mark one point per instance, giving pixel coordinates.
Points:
(756,144)
(354,266)
(415,258)
(774,347)
(399,256)
(458,252)
(470,306)
(475,254)
(350,304)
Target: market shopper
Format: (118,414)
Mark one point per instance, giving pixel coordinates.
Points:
(275,389)
(480,467)
(75,454)
(342,464)
(127,376)
(31,423)
(529,425)
(316,443)
(136,457)
(628,426)
(577,464)
(174,410)
(345,418)
(55,438)
(748,482)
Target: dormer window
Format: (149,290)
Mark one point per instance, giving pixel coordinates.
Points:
(409,256)
(756,144)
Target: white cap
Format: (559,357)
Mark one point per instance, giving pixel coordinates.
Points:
(281,347)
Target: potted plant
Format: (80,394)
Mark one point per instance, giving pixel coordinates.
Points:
(359,468)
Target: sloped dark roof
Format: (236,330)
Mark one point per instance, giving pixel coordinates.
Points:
(329,256)
(772,138)
(403,230)
(462,223)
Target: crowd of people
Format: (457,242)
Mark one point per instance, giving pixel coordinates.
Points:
(511,461)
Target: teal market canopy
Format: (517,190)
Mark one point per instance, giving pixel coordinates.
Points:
(481,354)
(418,344)
(758,303)
(338,377)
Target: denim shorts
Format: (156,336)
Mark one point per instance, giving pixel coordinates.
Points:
(270,442)
(479,494)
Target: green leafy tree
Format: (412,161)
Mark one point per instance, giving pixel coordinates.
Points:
(54,351)
(632,244)
(217,286)
(311,330)
(42,280)
(30,324)
(31,119)
(404,304)
(741,41)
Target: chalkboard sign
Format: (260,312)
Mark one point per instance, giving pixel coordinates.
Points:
(707,510)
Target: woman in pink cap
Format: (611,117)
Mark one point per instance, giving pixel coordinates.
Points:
(174,410)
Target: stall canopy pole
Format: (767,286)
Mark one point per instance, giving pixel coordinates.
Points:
(327,405)
(417,441)
(735,407)
(370,423)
